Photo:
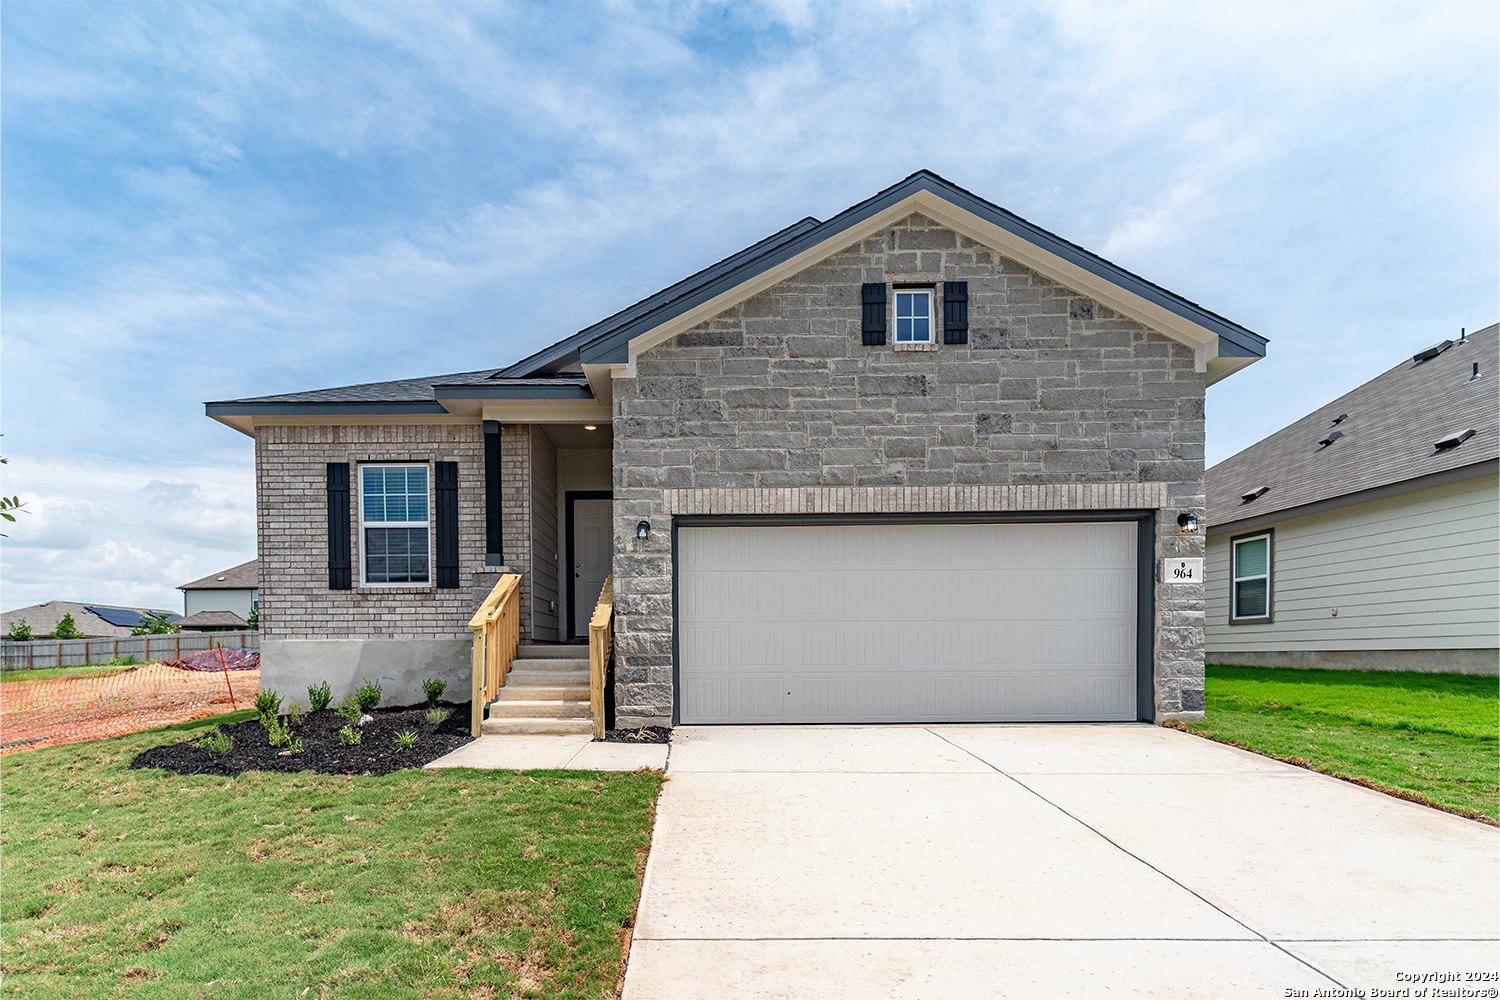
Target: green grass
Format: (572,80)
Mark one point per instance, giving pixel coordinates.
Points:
(1432,737)
(46,673)
(123,883)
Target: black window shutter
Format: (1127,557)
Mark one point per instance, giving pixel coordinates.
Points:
(494,554)
(874,317)
(340,576)
(955,312)
(445,482)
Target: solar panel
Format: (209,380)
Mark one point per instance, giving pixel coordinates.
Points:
(124,617)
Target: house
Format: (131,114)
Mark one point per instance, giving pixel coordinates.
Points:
(223,601)
(1366,535)
(921,461)
(94,621)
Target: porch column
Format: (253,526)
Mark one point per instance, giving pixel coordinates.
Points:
(494,548)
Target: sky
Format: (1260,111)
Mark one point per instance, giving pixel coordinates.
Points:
(204,201)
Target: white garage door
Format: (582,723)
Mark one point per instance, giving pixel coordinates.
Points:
(907,623)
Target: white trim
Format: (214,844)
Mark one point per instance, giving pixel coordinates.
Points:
(426,468)
(926,293)
(1235,579)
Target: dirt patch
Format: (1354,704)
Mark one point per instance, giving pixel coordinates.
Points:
(377,752)
(646,734)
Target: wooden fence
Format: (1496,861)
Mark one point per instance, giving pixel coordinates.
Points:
(42,653)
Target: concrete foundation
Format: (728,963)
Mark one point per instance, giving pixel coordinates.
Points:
(290,666)
(1484,662)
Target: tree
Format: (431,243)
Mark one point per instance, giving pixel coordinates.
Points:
(254,620)
(67,628)
(155,624)
(9,506)
(19,631)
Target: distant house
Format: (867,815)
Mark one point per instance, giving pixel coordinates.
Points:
(222,601)
(96,621)
(1366,534)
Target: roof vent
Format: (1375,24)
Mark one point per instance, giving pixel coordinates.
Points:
(1454,440)
(219,578)
(1340,418)
(1431,352)
(1254,494)
(1332,437)
(1476,372)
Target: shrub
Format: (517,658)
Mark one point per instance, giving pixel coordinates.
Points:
(254,620)
(153,624)
(67,628)
(349,709)
(368,696)
(319,697)
(120,661)
(278,733)
(268,703)
(406,740)
(435,716)
(433,689)
(349,737)
(217,742)
(19,631)
(294,713)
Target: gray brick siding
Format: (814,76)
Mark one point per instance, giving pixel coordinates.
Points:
(778,395)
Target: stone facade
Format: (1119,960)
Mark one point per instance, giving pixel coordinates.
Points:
(776,401)
(291,487)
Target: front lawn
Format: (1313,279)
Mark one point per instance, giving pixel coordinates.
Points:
(1432,737)
(414,884)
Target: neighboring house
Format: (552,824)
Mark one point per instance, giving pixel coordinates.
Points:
(96,621)
(919,462)
(1367,534)
(222,601)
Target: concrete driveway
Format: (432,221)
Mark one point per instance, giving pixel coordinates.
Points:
(1042,861)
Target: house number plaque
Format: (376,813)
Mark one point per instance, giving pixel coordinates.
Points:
(1182,570)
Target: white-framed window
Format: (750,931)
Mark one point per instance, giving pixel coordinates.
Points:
(394,525)
(1250,578)
(913,315)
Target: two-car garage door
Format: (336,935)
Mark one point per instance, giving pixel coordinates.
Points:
(925,622)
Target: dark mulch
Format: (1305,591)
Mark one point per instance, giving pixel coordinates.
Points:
(646,734)
(377,752)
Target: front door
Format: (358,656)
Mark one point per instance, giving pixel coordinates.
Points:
(589,551)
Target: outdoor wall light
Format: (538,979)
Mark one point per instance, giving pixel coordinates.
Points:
(642,530)
(1187,523)
(591,427)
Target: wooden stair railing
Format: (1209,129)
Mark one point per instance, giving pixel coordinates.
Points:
(497,633)
(601,646)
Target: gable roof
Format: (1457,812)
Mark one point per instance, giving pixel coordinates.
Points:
(245,576)
(552,373)
(214,619)
(93,620)
(1387,436)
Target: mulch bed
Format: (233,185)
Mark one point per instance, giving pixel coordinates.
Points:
(377,752)
(646,734)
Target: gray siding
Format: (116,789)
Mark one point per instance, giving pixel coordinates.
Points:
(544,589)
(238,601)
(1416,571)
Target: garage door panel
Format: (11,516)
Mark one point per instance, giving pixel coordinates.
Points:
(907,622)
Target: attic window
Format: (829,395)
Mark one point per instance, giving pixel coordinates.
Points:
(1431,352)
(1332,437)
(1339,419)
(1254,494)
(1454,440)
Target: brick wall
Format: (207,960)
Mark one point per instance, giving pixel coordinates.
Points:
(779,393)
(292,513)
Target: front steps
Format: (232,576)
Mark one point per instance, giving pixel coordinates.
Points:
(545,693)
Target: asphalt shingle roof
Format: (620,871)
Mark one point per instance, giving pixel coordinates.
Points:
(406,390)
(1388,436)
(245,576)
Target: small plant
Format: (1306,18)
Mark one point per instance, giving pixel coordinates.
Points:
(349,709)
(296,746)
(217,742)
(349,737)
(120,661)
(406,740)
(435,716)
(432,687)
(67,628)
(254,620)
(268,704)
(19,631)
(278,733)
(294,713)
(368,696)
(320,696)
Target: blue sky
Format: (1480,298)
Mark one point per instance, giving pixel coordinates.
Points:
(210,201)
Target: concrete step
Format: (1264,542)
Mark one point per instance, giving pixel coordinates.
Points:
(544,692)
(536,727)
(535,675)
(550,663)
(540,651)
(552,708)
